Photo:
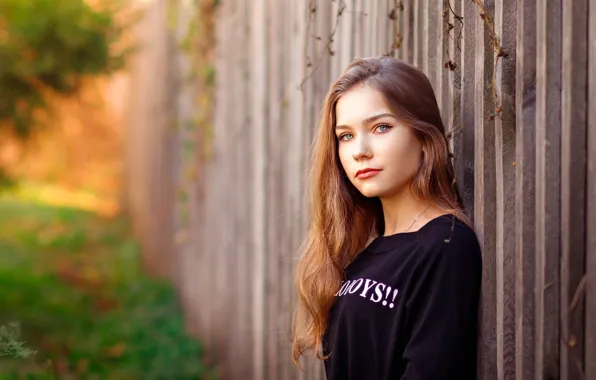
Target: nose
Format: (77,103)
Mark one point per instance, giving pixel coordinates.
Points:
(361,150)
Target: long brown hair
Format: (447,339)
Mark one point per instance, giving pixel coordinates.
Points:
(342,220)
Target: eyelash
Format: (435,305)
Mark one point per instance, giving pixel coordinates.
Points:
(376,127)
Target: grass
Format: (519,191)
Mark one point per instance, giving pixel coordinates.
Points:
(71,282)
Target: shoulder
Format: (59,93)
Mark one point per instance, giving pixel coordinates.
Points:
(449,241)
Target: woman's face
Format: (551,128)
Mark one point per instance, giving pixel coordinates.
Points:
(379,154)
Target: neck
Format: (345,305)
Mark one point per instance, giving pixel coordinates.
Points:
(400,211)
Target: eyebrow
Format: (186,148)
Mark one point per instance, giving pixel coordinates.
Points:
(368,120)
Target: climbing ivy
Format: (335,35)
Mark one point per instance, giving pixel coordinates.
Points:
(196,132)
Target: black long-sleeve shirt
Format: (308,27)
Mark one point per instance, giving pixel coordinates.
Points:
(408,307)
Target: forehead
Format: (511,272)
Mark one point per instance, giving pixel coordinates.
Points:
(358,104)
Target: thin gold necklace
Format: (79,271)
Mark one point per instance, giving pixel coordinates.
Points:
(417,218)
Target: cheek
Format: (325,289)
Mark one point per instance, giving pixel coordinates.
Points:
(403,156)
(344,157)
(347,163)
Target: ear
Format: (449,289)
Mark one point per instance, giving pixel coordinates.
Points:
(423,156)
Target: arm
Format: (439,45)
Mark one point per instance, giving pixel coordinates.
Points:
(443,309)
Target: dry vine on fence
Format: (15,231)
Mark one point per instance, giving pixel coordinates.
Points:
(312,9)
(495,41)
(394,16)
(499,52)
(447,28)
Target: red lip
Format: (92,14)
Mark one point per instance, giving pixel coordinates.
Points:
(365,171)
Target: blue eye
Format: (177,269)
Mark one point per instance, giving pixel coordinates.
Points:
(346,136)
(383,128)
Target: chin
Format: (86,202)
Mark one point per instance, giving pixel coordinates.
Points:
(370,191)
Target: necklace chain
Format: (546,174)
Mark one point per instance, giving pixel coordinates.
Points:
(422,213)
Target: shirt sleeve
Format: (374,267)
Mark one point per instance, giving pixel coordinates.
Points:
(442,310)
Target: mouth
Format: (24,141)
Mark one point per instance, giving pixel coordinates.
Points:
(367,173)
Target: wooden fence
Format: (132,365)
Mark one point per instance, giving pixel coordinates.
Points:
(221,208)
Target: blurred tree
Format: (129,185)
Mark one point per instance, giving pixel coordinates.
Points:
(49,47)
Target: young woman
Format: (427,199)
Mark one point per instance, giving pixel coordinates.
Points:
(389,283)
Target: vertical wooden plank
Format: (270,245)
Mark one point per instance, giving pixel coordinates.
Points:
(346,40)
(417,36)
(408,42)
(249,333)
(258,76)
(484,187)
(368,12)
(296,95)
(212,219)
(274,190)
(398,32)
(383,29)
(360,31)
(185,212)
(201,258)
(149,246)
(548,180)
(225,161)
(431,44)
(311,53)
(244,265)
(451,66)
(436,60)
(525,210)
(504,29)
(392,28)
(423,19)
(573,185)
(208,262)
(453,60)
(229,209)
(205,229)
(320,79)
(372,24)
(464,137)
(286,281)
(181,110)
(215,261)
(236,246)
(444,75)
(168,252)
(220,269)
(591,203)
(320,84)
(226,167)
(335,20)
(159,196)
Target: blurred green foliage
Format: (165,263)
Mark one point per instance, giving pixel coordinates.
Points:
(72,280)
(51,46)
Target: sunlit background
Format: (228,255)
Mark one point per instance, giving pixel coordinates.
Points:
(75,301)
